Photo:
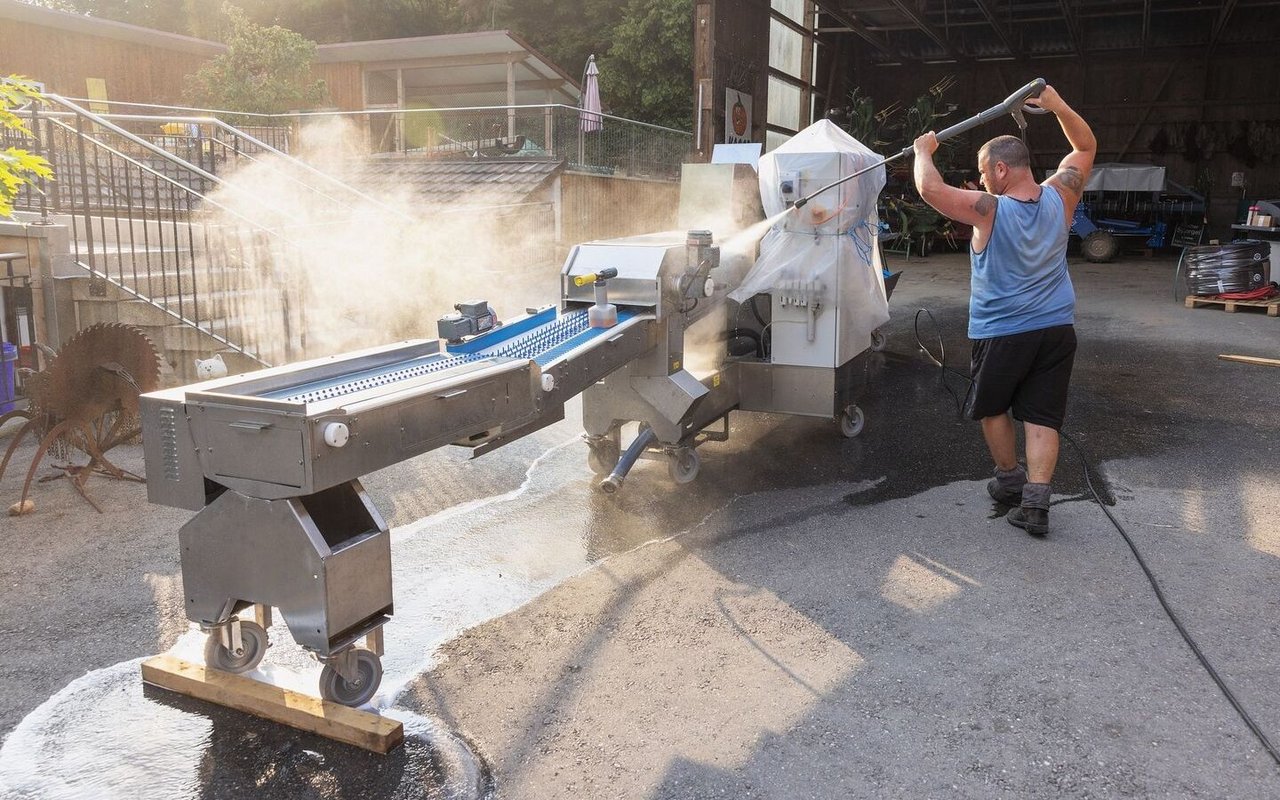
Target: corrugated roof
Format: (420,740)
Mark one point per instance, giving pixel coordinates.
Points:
(447,181)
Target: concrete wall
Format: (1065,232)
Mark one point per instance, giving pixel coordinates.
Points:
(48,253)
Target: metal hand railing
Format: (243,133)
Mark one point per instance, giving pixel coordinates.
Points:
(143,221)
(620,146)
(214,147)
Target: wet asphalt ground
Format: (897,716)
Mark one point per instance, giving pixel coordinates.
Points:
(813,617)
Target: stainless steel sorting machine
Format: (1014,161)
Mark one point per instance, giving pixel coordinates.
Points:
(272,460)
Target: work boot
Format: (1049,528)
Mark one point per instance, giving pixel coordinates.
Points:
(1006,487)
(1033,515)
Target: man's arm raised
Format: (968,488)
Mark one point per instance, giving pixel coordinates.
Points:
(1073,172)
(962,205)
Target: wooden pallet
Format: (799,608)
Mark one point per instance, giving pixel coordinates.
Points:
(1272,306)
(331,720)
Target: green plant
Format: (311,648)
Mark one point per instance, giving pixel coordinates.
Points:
(892,128)
(18,167)
(264,70)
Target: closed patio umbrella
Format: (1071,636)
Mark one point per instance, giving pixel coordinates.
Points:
(589,117)
(590,120)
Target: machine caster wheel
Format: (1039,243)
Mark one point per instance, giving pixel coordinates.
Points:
(603,456)
(255,647)
(684,465)
(878,341)
(338,689)
(852,422)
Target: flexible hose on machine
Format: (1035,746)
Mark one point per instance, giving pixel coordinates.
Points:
(612,483)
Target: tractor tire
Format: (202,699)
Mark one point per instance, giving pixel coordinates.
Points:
(1099,247)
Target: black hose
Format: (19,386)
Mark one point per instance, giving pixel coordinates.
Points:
(612,483)
(940,360)
(1261,736)
(749,334)
(1173,616)
(755,312)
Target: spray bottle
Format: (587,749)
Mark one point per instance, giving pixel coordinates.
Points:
(603,314)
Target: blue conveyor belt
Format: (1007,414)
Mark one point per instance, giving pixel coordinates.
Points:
(542,337)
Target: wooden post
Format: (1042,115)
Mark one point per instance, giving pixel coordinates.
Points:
(704,78)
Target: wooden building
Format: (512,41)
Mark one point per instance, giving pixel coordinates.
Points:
(78,56)
(88,57)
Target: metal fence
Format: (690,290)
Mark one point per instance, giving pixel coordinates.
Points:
(142,221)
(602,145)
(620,147)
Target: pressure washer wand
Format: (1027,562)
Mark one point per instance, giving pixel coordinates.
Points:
(1014,104)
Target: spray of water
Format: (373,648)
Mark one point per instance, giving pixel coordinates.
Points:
(751,236)
(352,272)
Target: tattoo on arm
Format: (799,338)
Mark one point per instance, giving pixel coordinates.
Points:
(984,205)
(1070,179)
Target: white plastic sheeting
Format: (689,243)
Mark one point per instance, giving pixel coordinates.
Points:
(831,241)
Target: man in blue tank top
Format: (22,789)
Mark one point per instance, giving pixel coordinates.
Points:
(1022,304)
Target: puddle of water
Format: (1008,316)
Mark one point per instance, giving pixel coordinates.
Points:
(106,736)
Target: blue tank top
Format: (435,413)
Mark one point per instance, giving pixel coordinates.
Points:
(1020,281)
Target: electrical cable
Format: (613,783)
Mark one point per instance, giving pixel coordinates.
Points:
(1258,733)
(1262,293)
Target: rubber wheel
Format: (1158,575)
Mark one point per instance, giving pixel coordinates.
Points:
(684,465)
(1099,246)
(603,457)
(338,689)
(255,647)
(852,421)
(878,341)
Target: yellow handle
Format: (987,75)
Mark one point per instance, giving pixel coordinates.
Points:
(599,275)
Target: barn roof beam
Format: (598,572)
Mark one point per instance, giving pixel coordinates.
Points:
(1073,26)
(923,25)
(998,27)
(1146,24)
(1224,15)
(838,14)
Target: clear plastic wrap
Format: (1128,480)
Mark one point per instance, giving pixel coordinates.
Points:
(831,241)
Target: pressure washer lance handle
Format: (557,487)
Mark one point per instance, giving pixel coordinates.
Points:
(1014,104)
(595,277)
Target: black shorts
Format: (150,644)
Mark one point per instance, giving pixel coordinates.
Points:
(1027,372)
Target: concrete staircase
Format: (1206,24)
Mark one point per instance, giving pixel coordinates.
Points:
(193,305)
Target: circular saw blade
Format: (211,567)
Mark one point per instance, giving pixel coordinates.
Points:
(103,368)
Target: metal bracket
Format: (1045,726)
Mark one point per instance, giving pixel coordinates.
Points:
(231,638)
(344,663)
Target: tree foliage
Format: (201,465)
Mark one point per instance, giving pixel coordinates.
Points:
(264,70)
(648,72)
(17,166)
